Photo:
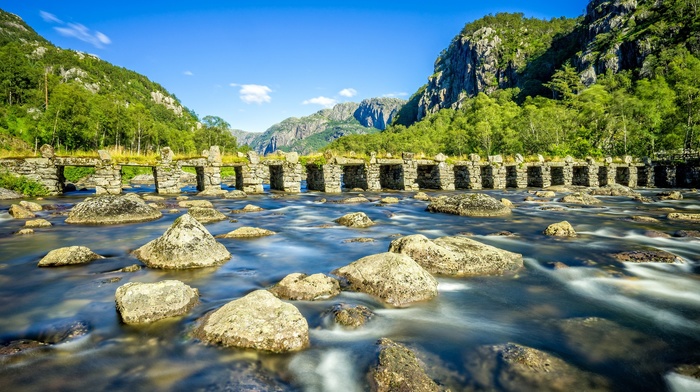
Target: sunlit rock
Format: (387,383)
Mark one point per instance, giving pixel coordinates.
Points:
(351,316)
(649,255)
(247,232)
(457,256)
(31,206)
(560,229)
(355,220)
(69,255)
(206,215)
(259,321)
(19,212)
(303,287)
(139,303)
(580,198)
(112,209)
(398,369)
(471,204)
(195,203)
(393,278)
(34,223)
(186,244)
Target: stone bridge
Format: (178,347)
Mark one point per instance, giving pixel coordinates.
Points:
(285,172)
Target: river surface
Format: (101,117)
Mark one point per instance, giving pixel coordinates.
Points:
(654,308)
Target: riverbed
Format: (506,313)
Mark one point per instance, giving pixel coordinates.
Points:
(651,310)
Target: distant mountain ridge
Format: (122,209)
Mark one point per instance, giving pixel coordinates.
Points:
(311,133)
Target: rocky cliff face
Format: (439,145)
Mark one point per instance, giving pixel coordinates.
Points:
(378,112)
(308,134)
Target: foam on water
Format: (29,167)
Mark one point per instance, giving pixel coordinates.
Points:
(680,383)
(332,370)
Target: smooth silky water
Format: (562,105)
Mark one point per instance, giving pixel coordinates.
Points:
(657,306)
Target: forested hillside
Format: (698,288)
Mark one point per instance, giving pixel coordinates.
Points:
(622,79)
(76,101)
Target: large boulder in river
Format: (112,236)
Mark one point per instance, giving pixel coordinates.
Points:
(355,219)
(512,367)
(393,278)
(457,256)
(471,204)
(398,369)
(112,210)
(259,321)
(186,244)
(140,303)
(69,255)
(302,287)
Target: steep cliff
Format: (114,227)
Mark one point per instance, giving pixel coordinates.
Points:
(310,133)
(489,54)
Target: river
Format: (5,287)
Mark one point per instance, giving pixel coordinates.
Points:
(654,308)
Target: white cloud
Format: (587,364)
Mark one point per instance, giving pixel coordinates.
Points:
(348,92)
(395,95)
(49,17)
(323,101)
(187,73)
(254,93)
(79,31)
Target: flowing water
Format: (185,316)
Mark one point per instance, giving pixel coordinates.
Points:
(654,308)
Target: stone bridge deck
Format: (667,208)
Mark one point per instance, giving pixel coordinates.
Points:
(285,172)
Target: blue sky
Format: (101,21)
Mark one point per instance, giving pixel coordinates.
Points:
(255,63)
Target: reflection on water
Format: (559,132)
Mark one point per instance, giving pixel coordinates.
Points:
(654,310)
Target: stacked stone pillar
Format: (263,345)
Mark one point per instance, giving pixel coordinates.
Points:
(108,175)
(167,173)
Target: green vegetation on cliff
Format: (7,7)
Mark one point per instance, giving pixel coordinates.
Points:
(75,101)
(625,79)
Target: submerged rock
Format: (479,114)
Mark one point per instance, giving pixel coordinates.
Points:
(472,204)
(644,219)
(352,316)
(68,256)
(19,212)
(139,303)
(247,232)
(259,321)
(580,198)
(354,200)
(560,229)
(647,256)
(512,367)
(686,233)
(398,369)
(456,256)
(24,231)
(394,278)
(206,215)
(389,200)
(355,219)
(186,244)
(302,287)
(670,195)
(112,210)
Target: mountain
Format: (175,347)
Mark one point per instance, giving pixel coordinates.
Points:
(75,100)
(624,78)
(311,133)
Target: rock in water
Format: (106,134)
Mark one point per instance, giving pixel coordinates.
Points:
(259,321)
(456,256)
(6,194)
(306,288)
(398,369)
(351,316)
(684,216)
(186,244)
(31,206)
(394,278)
(206,215)
(560,229)
(649,255)
(472,204)
(19,212)
(195,203)
(236,194)
(580,198)
(247,232)
(112,210)
(512,367)
(139,303)
(355,219)
(68,256)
